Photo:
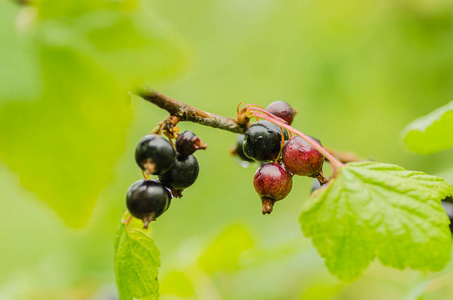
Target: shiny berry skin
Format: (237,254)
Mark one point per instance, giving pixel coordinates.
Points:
(238,150)
(155,154)
(183,174)
(262,141)
(187,143)
(447,205)
(282,110)
(301,158)
(147,200)
(272,183)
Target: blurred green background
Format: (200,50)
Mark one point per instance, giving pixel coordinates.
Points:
(356,71)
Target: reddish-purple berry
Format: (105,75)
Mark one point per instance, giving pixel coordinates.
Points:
(187,143)
(301,158)
(282,110)
(272,183)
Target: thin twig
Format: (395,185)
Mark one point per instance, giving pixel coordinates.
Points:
(186,112)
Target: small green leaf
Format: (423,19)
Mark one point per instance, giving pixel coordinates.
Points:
(431,133)
(379,210)
(136,265)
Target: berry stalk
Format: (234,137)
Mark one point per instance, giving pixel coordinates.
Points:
(261,113)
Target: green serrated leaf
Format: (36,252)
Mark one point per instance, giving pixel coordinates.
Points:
(89,56)
(379,210)
(431,133)
(136,265)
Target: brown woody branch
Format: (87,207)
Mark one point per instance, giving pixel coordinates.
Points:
(184,112)
(189,113)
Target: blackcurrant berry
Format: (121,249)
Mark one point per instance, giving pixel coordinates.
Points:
(187,143)
(155,154)
(447,204)
(147,200)
(282,110)
(238,151)
(183,174)
(262,141)
(301,158)
(272,183)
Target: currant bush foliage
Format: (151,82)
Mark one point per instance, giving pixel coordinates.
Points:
(431,133)
(16,60)
(136,265)
(83,57)
(373,209)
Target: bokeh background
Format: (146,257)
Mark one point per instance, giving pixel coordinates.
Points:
(356,71)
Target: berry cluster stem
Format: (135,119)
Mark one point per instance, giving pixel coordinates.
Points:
(189,113)
(259,113)
(184,112)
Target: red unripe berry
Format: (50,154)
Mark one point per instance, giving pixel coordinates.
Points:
(272,183)
(187,143)
(282,110)
(301,158)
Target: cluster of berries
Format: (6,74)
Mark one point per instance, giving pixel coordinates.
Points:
(176,168)
(280,156)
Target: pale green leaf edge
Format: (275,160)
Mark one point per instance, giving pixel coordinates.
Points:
(418,130)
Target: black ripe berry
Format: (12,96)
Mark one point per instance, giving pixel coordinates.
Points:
(263,140)
(238,150)
(147,200)
(301,158)
(447,204)
(272,183)
(187,143)
(155,154)
(183,174)
(282,110)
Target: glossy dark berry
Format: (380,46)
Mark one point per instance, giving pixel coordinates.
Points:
(277,128)
(147,200)
(262,141)
(183,174)
(238,150)
(301,158)
(272,183)
(155,154)
(447,204)
(282,110)
(187,143)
